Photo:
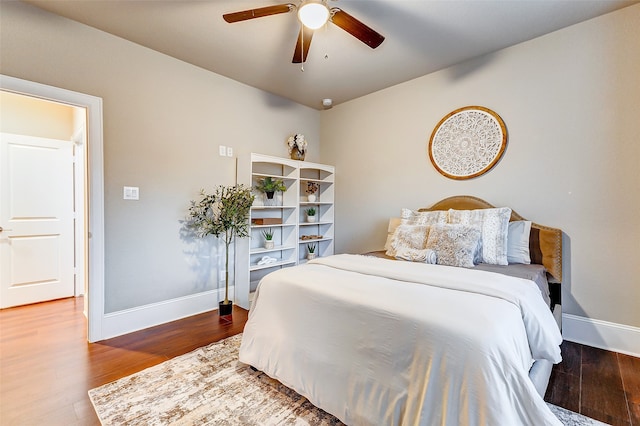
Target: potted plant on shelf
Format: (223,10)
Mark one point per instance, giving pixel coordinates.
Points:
(268,239)
(312,188)
(269,186)
(311,214)
(311,251)
(225,213)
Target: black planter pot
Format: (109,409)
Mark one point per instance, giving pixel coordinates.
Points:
(225,309)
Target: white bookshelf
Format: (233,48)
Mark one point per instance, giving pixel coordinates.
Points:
(289,209)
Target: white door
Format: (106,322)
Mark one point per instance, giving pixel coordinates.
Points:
(36,216)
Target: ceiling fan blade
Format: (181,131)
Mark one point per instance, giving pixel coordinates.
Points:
(258,13)
(365,34)
(302,46)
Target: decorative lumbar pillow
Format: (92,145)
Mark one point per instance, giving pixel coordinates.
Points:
(408,237)
(413,217)
(454,244)
(518,242)
(414,255)
(494,225)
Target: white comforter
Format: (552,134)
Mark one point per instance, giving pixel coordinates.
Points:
(381,342)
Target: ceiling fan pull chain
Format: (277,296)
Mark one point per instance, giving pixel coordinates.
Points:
(302,47)
(326,30)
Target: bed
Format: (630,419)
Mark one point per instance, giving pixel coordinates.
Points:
(375,341)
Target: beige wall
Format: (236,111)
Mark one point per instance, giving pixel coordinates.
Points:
(163,122)
(24,115)
(570,101)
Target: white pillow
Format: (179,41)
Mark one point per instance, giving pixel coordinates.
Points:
(518,242)
(494,225)
(408,237)
(455,244)
(413,217)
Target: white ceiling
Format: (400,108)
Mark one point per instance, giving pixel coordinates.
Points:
(421,37)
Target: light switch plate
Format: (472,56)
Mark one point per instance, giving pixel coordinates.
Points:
(131,193)
(222,150)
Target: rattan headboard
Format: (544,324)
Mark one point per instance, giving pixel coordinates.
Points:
(545,243)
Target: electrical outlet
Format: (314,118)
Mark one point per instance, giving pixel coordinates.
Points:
(222,275)
(222,150)
(229,151)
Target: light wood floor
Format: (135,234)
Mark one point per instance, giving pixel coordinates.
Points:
(47,366)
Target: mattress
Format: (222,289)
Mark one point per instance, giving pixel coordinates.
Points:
(533,272)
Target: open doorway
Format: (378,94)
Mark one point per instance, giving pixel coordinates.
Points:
(43,198)
(86,141)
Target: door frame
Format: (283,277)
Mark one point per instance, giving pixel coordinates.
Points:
(79,209)
(94,193)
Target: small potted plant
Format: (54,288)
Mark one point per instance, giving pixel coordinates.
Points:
(311,251)
(311,214)
(312,188)
(268,239)
(269,186)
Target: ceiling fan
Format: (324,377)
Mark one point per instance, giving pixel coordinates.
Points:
(312,14)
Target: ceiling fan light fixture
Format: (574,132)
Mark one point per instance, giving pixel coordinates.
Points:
(313,14)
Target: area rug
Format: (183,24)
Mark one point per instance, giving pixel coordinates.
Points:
(210,387)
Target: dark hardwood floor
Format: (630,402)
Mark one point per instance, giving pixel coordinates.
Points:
(47,366)
(600,384)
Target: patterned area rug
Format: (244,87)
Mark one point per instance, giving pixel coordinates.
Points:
(210,387)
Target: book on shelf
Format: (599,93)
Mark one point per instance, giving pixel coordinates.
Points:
(266,221)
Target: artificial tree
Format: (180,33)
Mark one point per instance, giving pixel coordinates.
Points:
(224,212)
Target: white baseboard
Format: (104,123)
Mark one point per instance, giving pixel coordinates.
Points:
(601,334)
(141,317)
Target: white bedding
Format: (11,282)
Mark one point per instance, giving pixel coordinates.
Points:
(380,342)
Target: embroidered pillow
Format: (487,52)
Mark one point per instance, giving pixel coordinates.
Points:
(413,217)
(408,237)
(494,224)
(394,222)
(454,244)
(518,242)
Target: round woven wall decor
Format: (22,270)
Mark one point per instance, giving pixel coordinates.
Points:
(467,142)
